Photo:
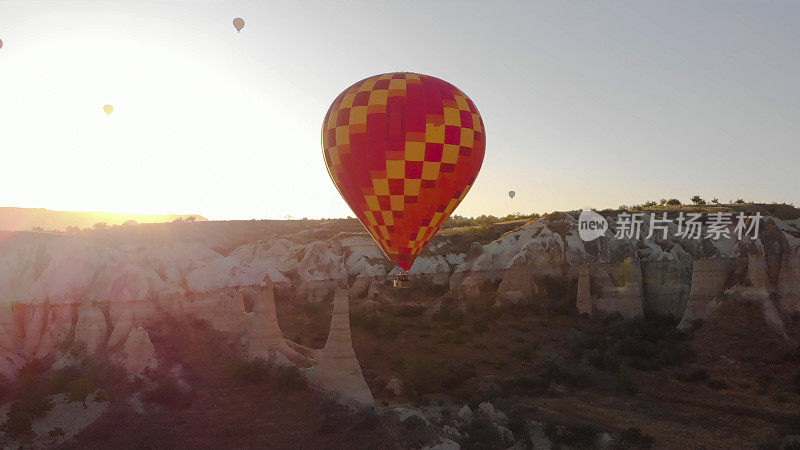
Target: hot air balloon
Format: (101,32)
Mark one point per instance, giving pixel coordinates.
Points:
(1,43)
(403,149)
(511,194)
(238,23)
(108,109)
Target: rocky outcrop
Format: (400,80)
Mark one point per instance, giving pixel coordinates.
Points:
(788,288)
(8,328)
(91,328)
(121,330)
(339,371)
(620,288)
(34,328)
(231,315)
(757,271)
(666,283)
(517,287)
(465,414)
(434,270)
(139,352)
(360,287)
(224,309)
(60,320)
(475,286)
(318,291)
(395,386)
(709,277)
(201,272)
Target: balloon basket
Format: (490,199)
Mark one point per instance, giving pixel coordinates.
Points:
(401,281)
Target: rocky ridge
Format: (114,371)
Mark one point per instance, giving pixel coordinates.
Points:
(97,290)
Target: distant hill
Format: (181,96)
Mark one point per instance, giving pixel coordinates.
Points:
(25,219)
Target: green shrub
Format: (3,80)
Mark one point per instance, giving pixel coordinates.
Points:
(634,438)
(22,412)
(80,381)
(166,394)
(525,383)
(523,352)
(796,383)
(764,382)
(449,315)
(556,369)
(312,309)
(410,311)
(561,295)
(424,374)
(577,435)
(482,434)
(697,200)
(413,422)
(376,324)
(32,375)
(717,384)
(456,376)
(692,376)
(625,382)
(256,371)
(644,344)
(78,389)
(368,419)
(289,377)
(479,325)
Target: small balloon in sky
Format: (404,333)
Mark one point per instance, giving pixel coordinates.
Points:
(108,109)
(238,23)
(511,194)
(1,43)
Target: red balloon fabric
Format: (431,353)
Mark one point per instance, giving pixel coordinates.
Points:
(403,149)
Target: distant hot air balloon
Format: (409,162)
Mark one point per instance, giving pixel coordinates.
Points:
(403,149)
(511,194)
(238,23)
(108,109)
(1,43)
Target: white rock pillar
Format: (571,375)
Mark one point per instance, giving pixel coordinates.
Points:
(264,333)
(91,327)
(339,370)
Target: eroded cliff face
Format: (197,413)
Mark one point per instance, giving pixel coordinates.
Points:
(96,288)
(673,276)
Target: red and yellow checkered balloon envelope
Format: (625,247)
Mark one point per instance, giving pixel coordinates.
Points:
(403,149)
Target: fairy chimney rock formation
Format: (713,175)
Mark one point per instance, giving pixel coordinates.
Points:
(91,327)
(264,338)
(59,323)
(339,370)
(139,351)
(263,333)
(122,329)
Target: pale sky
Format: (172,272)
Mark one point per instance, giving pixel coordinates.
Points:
(585,103)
